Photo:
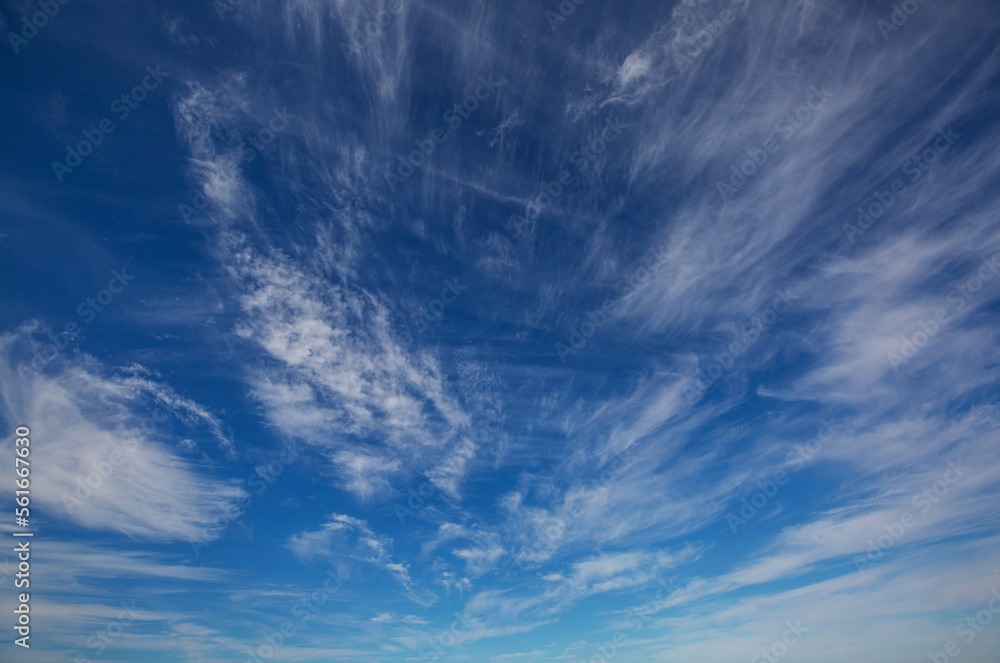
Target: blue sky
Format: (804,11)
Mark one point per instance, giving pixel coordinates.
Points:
(524,331)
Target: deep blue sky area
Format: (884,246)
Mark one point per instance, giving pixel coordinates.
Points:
(423,330)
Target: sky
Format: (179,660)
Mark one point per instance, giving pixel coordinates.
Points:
(502,332)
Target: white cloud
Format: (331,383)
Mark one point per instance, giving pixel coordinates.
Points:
(346,538)
(103,438)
